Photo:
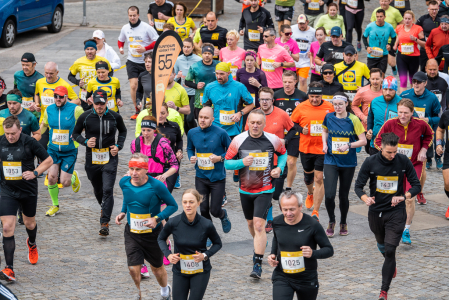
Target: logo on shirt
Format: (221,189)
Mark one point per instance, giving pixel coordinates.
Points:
(300,230)
(349,76)
(9,157)
(215,36)
(296,103)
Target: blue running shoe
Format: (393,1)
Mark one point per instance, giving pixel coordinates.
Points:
(178,182)
(429,165)
(208,243)
(225,222)
(257,271)
(395,71)
(358,150)
(359,47)
(406,237)
(439,163)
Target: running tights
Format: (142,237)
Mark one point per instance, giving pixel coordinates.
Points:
(285,290)
(331,175)
(195,284)
(407,67)
(389,266)
(212,193)
(354,21)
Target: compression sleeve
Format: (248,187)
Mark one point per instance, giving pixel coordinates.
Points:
(234,164)
(215,238)
(191,84)
(290,134)
(412,178)
(370,122)
(118,94)
(120,44)
(298,127)
(282,160)
(72,79)
(362,179)
(166,231)
(365,41)
(167,198)
(150,46)
(326,250)
(393,40)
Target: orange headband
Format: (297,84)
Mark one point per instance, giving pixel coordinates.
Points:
(138,164)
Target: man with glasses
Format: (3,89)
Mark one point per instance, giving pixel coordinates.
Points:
(273,58)
(379,33)
(438,38)
(330,86)
(252,23)
(332,51)
(428,22)
(304,35)
(289,44)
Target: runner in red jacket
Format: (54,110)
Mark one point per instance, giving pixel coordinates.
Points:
(438,37)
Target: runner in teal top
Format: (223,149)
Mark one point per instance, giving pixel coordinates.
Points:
(378,34)
(28,121)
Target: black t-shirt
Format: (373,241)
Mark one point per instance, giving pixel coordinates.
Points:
(17,158)
(172,132)
(438,86)
(216,37)
(332,54)
(427,24)
(289,102)
(154,10)
(3,104)
(290,238)
(444,124)
(402,10)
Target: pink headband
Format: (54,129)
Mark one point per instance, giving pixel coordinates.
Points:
(250,53)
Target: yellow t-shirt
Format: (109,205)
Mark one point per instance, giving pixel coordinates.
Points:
(45,91)
(353,77)
(184,29)
(86,68)
(178,95)
(110,88)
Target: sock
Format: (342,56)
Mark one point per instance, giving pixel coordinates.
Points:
(137,110)
(407,227)
(288,188)
(447,193)
(9,246)
(259,258)
(165,291)
(270,214)
(73,178)
(32,235)
(393,68)
(53,190)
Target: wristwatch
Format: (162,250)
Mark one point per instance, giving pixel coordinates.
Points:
(282,64)
(349,145)
(222,159)
(36,173)
(177,108)
(158,220)
(205,257)
(242,113)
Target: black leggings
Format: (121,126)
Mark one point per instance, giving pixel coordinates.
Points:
(195,284)
(331,175)
(213,203)
(407,67)
(354,21)
(389,266)
(285,290)
(342,12)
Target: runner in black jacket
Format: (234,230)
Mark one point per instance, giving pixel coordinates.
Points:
(330,83)
(253,18)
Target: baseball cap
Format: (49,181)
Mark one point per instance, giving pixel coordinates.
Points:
(98,34)
(327,67)
(335,31)
(100,96)
(302,18)
(420,76)
(350,50)
(28,57)
(61,91)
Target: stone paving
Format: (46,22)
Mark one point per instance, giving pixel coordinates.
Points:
(76,263)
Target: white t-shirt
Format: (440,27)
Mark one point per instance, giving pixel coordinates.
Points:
(142,35)
(304,40)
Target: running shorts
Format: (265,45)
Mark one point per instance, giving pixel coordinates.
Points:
(140,247)
(303,72)
(293,147)
(312,162)
(10,205)
(284,13)
(66,160)
(446,161)
(256,205)
(388,225)
(134,69)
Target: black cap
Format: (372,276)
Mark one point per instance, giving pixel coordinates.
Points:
(101,65)
(350,50)
(100,96)
(28,57)
(327,67)
(420,76)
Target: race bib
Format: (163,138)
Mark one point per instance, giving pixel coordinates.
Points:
(133,50)
(292,262)
(12,170)
(225,117)
(316,128)
(377,52)
(343,1)
(420,111)
(318,69)
(337,143)
(159,24)
(111,103)
(189,266)
(60,137)
(314,5)
(26,102)
(100,156)
(47,100)
(407,48)
(407,150)
(328,98)
(267,65)
(399,3)
(303,46)
(204,162)
(260,162)
(387,185)
(351,95)
(353,3)
(83,95)
(234,71)
(216,47)
(138,224)
(253,35)
(439,96)
(328,38)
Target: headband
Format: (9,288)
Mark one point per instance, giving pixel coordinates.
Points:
(13,97)
(90,44)
(148,124)
(444,20)
(138,164)
(315,91)
(250,53)
(340,97)
(223,67)
(101,66)
(208,49)
(2,84)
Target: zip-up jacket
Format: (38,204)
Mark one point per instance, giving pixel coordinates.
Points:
(391,175)
(428,101)
(312,12)
(438,85)
(103,128)
(435,41)
(250,21)
(329,89)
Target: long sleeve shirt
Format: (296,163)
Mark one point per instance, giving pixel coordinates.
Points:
(426,105)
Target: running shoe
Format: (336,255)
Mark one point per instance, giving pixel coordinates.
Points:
(383,295)
(178,182)
(309,201)
(133,117)
(447,213)
(225,200)
(421,199)
(406,237)
(225,222)
(7,274)
(359,47)
(257,271)
(52,211)
(208,243)
(316,215)
(144,271)
(33,255)
(429,164)
(166,261)
(104,231)
(76,186)
(20,218)
(343,229)
(235,177)
(169,294)
(439,163)
(395,73)
(330,231)
(269,227)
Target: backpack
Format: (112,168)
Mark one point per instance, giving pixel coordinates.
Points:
(153,148)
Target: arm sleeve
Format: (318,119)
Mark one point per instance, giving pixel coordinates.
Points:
(370,122)
(120,44)
(429,43)
(362,179)
(242,24)
(269,20)
(118,94)
(121,133)
(215,239)
(365,40)
(298,127)
(326,250)
(179,141)
(191,84)
(165,196)
(234,164)
(263,78)
(290,134)
(190,146)
(282,161)
(73,79)
(76,134)
(393,40)
(412,178)
(162,238)
(355,106)
(169,156)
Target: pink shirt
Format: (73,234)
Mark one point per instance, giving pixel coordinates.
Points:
(364,97)
(314,48)
(234,57)
(269,56)
(292,45)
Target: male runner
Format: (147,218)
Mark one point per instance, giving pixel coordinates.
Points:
(438,38)
(284,11)
(101,125)
(436,83)
(428,22)
(211,33)
(387,171)
(25,80)
(158,14)
(19,189)
(142,199)
(309,115)
(60,119)
(140,37)
(252,23)
(415,138)
(441,148)
(251,152)
(85,67)
(176,96)
(332,51)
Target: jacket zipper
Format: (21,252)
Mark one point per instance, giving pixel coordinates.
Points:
(59,122)
(100,143)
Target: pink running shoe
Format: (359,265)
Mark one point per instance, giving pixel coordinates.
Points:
(166,261)
(144,271)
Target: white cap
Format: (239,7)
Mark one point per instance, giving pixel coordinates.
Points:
(98,34)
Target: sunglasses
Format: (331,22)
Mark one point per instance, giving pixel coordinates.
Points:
(288,33)
(328,73)
(414,81)
(266,36)
(100,103)
(59,97)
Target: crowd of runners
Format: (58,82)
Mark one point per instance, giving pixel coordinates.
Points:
(297,89)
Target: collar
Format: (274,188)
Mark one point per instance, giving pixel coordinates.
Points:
(105,113)
(351,64)
(135,25)
(185,220)
(419,96)
(384,160)
(207,129)
(51,82)
(30,75)
(107,81)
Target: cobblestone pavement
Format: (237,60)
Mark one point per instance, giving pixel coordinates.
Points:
(75,263)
